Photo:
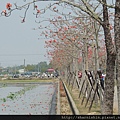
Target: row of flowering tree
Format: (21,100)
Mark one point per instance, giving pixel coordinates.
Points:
(73,47)
(78,40)
(105,18)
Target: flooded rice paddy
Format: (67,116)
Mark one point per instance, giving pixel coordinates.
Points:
(26,99)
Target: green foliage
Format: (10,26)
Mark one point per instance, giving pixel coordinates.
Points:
(12,96)
(4,85)
(4,100)
(44,66)
(41,67)
(31,68)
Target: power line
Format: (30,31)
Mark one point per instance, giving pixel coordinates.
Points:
(19,54)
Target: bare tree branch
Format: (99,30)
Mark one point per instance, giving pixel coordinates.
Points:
(89,11)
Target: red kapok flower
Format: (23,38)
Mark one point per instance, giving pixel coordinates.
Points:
(111,27)
(54,40)
(35,6)
(59,17)
(38,11)
(54,7)
(23,20)
(8,6)
(4,12)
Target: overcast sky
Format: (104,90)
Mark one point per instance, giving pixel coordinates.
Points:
(18,41)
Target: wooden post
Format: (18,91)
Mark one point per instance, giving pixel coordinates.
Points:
(81,88)
(93,97)
(84,94)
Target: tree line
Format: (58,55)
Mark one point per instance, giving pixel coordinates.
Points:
(40,67)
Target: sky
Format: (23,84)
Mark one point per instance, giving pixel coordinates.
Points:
(18,41)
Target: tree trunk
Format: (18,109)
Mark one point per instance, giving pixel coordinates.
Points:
(97,28)
(109,81)
(117,43)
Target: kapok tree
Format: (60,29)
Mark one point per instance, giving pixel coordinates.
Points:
(71,33)
(109,82)
(103,19)
(87,7)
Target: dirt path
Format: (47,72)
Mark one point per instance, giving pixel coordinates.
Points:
(64,105)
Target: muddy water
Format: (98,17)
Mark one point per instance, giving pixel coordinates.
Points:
(36,101)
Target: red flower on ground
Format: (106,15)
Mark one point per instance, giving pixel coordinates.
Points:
(8,6)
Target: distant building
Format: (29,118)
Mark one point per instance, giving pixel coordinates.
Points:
(50,70)
(21,71)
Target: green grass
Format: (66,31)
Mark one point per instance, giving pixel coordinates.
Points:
(82,109)
(13,95)
(27,81)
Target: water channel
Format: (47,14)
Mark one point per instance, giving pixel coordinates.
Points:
(28,99)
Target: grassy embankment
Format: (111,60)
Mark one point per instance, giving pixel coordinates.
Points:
(95,110)
(27,81)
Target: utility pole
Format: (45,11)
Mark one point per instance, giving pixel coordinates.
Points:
(0,69)
(24,65)
(15,69)
(38,67)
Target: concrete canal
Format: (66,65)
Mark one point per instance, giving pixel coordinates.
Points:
(25,99)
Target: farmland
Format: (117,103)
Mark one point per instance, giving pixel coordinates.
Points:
(27,98)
